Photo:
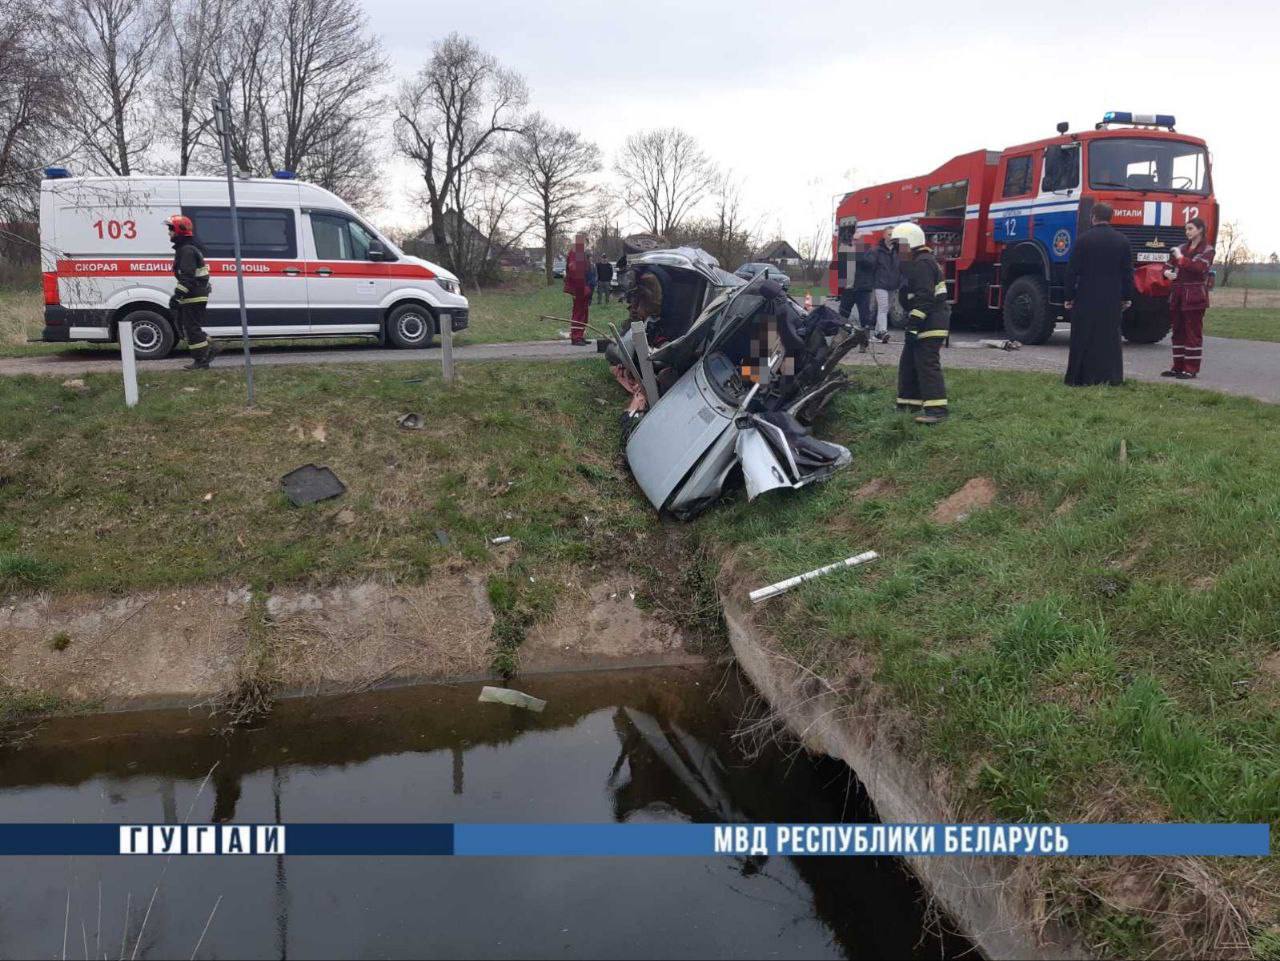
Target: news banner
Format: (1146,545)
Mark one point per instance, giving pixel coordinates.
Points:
(636,840)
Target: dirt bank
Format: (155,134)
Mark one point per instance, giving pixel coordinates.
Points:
(995,902)
(197,644)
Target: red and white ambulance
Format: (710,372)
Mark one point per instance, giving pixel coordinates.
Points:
(312,266)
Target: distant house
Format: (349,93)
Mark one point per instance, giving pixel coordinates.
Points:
(423,244)
(779,252)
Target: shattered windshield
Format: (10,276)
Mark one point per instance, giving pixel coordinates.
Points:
(1146,164)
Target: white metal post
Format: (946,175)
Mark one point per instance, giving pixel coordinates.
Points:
(127,365)
(446,352)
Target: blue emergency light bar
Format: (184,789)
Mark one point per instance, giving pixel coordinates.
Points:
(284,175)
(1153,119)
(56,173)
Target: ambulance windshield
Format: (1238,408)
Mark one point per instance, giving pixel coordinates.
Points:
(1148,164)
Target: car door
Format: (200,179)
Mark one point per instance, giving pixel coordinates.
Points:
(345,287)
(271,256)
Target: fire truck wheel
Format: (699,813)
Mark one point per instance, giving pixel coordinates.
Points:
(1026,311)
(153,337)
(1145,326)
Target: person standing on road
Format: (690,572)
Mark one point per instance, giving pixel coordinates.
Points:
(1099,290)
(855,299)
(921,387)
(604,279)
(886,281)
(190,292)
(577,269)
(1189,299)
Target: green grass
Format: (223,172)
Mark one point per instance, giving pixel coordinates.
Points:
(1243,323)
(1089,646)
(97,498)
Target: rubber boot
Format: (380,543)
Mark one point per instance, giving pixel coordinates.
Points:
(200,358)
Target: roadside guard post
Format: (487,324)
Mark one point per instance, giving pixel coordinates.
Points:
(446,349)
(222,124)
(128,368)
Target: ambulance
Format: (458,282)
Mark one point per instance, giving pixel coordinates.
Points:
(312,266)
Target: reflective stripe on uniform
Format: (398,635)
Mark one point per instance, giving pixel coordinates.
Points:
(941,289)
(181,287)
(203,343)
(202,271)
(917,312)
(933,333)
(913,403)
(936,403)
(193,300)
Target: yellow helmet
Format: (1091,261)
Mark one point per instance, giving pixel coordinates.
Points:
(908,233)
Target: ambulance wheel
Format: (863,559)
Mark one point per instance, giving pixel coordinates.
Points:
(153,337)
(1026,311)
(410,326)
(1148,325)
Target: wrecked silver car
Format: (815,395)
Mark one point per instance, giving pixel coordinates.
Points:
(723,376)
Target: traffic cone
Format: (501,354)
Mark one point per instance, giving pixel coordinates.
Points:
(808,301)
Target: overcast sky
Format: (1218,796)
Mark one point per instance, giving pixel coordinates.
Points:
(804,100)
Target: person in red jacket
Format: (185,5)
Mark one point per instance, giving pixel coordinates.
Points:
(1188,300)
(577,285)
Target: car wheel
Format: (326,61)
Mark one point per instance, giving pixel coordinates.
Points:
(1026,311)
(153,336)
(411,326)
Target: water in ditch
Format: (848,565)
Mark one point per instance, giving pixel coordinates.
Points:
(653,745)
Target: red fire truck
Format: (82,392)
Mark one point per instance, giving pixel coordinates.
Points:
(1003,223)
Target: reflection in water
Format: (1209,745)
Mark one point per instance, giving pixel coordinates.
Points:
(629,746)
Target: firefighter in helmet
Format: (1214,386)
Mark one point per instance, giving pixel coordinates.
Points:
(191,291)
(921,389)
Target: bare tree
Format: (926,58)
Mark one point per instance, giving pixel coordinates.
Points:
(1230,251)
(815,251)
(196,30)
(551,165)
(450,117)
(110,48)
(241,65)
(664,174)
(33,98)
(325,61)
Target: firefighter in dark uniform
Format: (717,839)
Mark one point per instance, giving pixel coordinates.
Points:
(191,291)
(921,389)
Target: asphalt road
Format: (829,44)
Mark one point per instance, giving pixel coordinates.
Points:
(1245,367)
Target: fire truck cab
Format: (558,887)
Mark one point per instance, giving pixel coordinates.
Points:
(1003,223)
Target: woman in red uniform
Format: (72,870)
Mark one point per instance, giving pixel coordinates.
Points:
(1188,300)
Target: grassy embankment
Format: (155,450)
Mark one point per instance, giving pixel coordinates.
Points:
(1101,643)
(97,499)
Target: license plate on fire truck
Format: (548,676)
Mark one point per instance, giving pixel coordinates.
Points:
(1152,256)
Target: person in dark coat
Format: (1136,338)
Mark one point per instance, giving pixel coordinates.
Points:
(1099,291)
(604,280)
(886,281)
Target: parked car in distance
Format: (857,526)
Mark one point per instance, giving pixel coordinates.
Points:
(557,267)
(749,272)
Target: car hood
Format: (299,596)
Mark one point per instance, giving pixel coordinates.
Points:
(435,269)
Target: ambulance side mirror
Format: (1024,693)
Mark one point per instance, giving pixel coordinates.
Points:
(376,251)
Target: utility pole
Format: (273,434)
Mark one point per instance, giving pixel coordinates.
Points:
(222,124)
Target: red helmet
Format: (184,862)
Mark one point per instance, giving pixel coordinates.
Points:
(181,226)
